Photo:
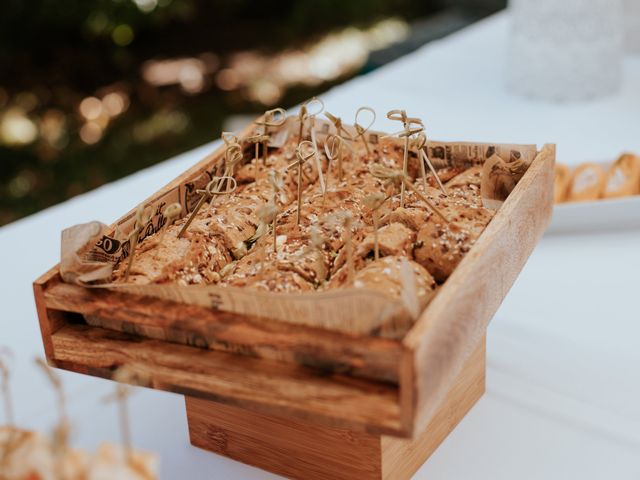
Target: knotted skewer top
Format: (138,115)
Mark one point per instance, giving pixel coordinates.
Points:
(337,122)
(360,130)
(302,157)
(398,177)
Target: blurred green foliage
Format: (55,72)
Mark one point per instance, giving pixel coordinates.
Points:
(55,53)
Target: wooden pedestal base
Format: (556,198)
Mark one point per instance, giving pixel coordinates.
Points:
(298,450)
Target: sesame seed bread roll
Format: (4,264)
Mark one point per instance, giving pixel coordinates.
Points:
(440,247)
(587,183)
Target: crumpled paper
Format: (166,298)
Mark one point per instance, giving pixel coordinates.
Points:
(75,264)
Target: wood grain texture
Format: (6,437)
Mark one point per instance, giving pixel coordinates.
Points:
(49,324)
(299,450)
(402,457)
(450,327)
(273,388)
(328,351)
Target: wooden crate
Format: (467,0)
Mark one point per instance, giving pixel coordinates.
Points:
(341,395)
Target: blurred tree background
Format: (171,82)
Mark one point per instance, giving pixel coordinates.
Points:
(91,91)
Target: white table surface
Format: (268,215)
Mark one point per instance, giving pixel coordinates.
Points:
(563,381)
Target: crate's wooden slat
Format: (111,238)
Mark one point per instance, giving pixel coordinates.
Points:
(271,442)
(272,388)
(367,357)
(450,327)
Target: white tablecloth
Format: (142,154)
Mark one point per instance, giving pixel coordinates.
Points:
(563,385)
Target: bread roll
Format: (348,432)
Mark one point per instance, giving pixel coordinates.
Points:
(587,183)
(561,183)
(623,178)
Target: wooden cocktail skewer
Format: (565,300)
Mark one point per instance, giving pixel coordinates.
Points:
(421,141)
(360,130)
(212,189)
(271,118)
(401,116)
(398,177)
(257,139)
(302,116)
(233,156)
(170,215)
(277,183)
(62,431)
(9,419)
(347,222)
(268,214)
(312,132)
(374,202)
(4,383)
(332,149)
(140,222)
(341,133)
(126,376)
(344,220)
(302,157)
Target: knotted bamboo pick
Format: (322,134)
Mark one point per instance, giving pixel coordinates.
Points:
(126,376)
(401,116)
(347,222)
(397,177)
(8,406)
(316,244)
(421,142)
(302,116)
(257,139)
(170,215)
(332,149)
(341,133)
(210,191)
(277,183)
(62,431)
(268,214)
(360,130)
(312,132)
(302,157)
(271,118)
(373,202)
(4,383)
(140,222)
(344,219)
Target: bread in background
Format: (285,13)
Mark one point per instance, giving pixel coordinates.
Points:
(587,183)
(623,178)
(561,183)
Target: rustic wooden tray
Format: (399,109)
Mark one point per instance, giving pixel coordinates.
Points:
(266,392)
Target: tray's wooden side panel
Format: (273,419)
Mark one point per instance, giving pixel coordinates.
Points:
(49,324)
(448,330)
(272,388)
(300,450)
(402,457)
(329,351)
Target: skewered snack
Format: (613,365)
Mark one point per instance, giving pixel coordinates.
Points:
(587,183)
(32,456)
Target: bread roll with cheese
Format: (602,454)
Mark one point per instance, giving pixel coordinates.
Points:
(587,183)
(623,178)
